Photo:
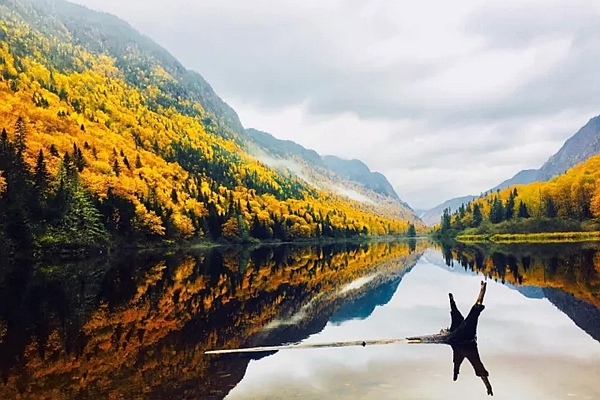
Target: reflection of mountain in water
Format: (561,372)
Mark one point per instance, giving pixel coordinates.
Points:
(531,292)
(568,275)
(363,306)
(585,315)
(138,327)
(337,307)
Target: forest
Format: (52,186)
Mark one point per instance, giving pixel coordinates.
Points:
(568,202)
(102,147)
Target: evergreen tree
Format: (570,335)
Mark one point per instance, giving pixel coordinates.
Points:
(477,216)
(412,232)
(41,175)
(497,213)
(78,159)
(523,212)
(126,162)
(550,208)
(138,162)
(446,221)
(20,135)
(510,207)
(116,167)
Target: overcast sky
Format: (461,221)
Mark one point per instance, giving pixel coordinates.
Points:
(446,98)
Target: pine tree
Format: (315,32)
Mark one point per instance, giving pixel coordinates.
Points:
(446,220)
(523,212)
(41,175)
(78,158)
(20,135)
(138,162)
(412,232)
(510,207)
(116,167)
(477,216)
(497,213)
(550,208)
(126,162)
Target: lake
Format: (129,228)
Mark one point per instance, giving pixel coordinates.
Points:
(136,326)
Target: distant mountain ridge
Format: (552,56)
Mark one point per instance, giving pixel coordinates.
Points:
(579,148)
(357,171)
(351,178)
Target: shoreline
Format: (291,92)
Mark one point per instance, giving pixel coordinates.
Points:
(540,237)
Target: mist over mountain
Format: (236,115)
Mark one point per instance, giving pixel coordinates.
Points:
(350,178)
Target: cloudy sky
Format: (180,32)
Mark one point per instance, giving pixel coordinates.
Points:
(445,98)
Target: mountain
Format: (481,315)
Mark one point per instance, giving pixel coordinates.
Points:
(583,145)
(580,147)
(521,178)
(565,204)
(108,137)
(352,179)
(432,216)
(357,171)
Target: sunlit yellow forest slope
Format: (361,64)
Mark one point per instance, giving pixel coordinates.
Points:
(108,137)
(570,201)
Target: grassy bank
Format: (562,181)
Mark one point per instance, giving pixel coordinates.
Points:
(541,237)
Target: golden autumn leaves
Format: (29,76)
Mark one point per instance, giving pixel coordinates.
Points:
(138,146)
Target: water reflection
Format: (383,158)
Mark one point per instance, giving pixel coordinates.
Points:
(566,274)
(137,326)
(470,351)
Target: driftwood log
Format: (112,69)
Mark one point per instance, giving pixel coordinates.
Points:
(462,336)
(462,330)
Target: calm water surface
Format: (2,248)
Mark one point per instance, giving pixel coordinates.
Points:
(136,327)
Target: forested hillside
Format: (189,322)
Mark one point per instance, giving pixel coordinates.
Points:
(108,137)
(566,201)
(577,149)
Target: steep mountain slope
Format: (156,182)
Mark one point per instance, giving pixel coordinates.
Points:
(521,178)
(352,179)
(102,33)
(584,144)
(113,137)
(580,147)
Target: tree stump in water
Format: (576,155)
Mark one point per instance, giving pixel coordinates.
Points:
(462,330)
(462,336)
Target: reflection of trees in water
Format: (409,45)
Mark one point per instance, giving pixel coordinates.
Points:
(137,326)
(568,273)
(573,268)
